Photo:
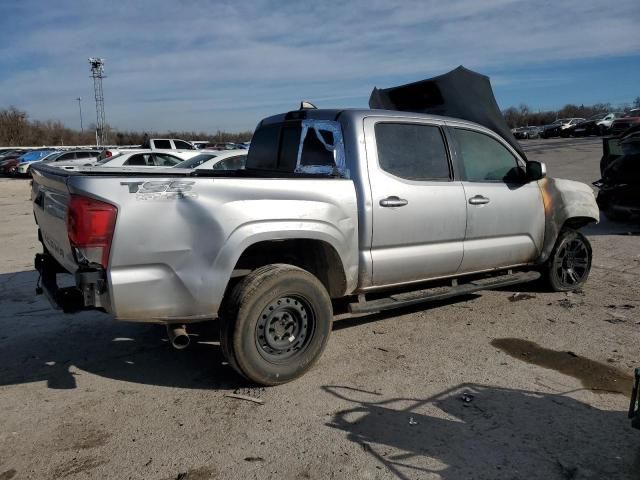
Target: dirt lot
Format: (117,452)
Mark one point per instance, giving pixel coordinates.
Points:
(489,386)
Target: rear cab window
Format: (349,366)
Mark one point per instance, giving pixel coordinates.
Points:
(299,146)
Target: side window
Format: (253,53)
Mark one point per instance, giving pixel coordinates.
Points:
(180,145)
(231,163)
(162,144)
(83,154)
(412,151)
(485,159)
(65,156)
(138,160)
(162,160)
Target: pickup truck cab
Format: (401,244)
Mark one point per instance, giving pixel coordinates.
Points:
(168,144)
(374,209)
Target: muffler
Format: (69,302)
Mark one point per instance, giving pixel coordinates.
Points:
(178,336)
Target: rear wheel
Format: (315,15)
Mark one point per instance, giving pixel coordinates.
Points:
(570,262)
(276,324)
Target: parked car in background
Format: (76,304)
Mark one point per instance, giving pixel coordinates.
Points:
(167,144)
(22,170)
(10,160)
(526,132)
(630,119)
(199,144)
(604,125)
(30,157)
(219,160)
(222,146)
(595,125)
(619,195)
(634,405)
(76,157)
(12,152)
(142,158)
(557,128)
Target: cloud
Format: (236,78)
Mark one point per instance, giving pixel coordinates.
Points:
(197,64)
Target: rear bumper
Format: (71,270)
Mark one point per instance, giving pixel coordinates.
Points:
(86,294)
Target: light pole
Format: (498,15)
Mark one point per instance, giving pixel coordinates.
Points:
(80,107)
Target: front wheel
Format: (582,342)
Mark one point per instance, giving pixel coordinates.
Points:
(570,262)
(276,324)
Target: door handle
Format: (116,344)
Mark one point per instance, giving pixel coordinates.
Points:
(478,200)
(393,201)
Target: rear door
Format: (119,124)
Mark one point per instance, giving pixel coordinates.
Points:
(505,214)
(419,210)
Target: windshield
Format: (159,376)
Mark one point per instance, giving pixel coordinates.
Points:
(52,157)
(196,161)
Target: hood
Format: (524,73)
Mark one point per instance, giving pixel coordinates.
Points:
(460,93)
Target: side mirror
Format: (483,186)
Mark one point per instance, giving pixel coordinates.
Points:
(536,170)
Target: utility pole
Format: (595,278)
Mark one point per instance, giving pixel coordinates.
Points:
(97,73)
(80,107)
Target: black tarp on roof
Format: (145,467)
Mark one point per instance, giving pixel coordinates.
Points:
(461,93)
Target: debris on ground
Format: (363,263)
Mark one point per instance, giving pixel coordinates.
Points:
(615,320)
(567,303)
(625,306)
(516,297)
(253,459)
(245,397)
(412,421)
(467,397)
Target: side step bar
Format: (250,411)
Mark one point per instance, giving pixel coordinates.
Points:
(441,293)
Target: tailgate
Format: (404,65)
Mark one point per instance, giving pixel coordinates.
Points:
(50,197)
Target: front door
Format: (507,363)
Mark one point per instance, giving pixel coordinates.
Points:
(419,210)
(505,213)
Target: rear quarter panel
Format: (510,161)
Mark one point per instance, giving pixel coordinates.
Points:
(172,257)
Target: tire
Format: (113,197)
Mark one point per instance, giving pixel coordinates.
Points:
(569,265)
(276,324)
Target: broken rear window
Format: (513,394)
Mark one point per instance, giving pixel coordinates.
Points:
(307,146)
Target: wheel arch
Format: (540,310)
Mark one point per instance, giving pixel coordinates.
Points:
(316,256)
(566,204)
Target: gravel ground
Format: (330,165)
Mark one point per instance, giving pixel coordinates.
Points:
(518,383)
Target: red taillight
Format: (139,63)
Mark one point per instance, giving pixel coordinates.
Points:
(108,154)
(90,224)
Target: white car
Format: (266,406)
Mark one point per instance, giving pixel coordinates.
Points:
(217,160)
(605,124)
(146,158)
(74,158)
(137,158)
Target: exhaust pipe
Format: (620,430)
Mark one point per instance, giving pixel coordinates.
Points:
(178,336)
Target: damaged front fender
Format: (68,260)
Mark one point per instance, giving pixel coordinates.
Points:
(565,203)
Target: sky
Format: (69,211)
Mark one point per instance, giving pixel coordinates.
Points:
(198,65)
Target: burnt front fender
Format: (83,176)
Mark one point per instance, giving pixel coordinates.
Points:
(565,203)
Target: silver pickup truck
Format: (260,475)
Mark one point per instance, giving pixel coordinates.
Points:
(364,210)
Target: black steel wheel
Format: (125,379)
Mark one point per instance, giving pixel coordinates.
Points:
(276,324)
(284,328)
(570,262)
